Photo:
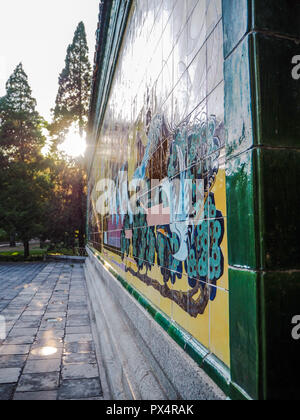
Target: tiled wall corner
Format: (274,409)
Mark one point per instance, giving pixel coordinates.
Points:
(262,117)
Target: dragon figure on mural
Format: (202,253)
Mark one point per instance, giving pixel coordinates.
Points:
(183,239)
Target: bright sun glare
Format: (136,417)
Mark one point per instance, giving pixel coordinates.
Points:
(74,145)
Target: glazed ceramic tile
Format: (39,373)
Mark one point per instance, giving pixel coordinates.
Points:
(219,325)
(162,147)
(215,62)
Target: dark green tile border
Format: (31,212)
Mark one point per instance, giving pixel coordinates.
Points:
(244,286)
(210,364)
(279,18)
(280,302)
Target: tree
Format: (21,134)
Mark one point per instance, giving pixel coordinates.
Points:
(71,110)
(72,101)
(24,179)
(66,204)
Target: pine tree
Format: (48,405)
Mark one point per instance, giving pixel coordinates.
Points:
(21,136)
(24,182)
(71,110)
(72,101)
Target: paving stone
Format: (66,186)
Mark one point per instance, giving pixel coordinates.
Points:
(50,342)
(33,324)
(14,349)
(78,330)
(58,314)
(45,326)
(79,347)
(45,353)
(10,313)
(42,366)
(57,334)
(37,307)
(75,307)
(9,375)
(79,389)
(43,292)
(12,361)
(30,318)
(20,340)
(10,317)
(38,382)
(36,396)
(17,309)
(56,308)
(78,323)
(74,312)
(79,371)
(34,313)
(80,338)
(6,392)
(20,332)
(82,317)
(79,358)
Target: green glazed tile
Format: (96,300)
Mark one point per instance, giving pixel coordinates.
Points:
(162,321)
(129,289)
(242,231)
(178,335)
(196,351)
(217,372)
(238,100)
(240,16)
(235,23)
(279,171)
(280,302)
(135,294)
(282,16)
(263,201)
(152,311)
(237,394)
(244,330)
(143,302)
(277,92)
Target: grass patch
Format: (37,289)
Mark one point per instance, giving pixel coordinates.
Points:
(36,254)
(18,256)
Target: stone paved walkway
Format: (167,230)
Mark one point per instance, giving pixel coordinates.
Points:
(48,352)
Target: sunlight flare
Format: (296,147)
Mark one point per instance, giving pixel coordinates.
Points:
(74,145)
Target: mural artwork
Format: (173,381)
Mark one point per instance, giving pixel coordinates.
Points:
(179,244)
(158,183)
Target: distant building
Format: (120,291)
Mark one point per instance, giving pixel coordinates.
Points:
(193,223)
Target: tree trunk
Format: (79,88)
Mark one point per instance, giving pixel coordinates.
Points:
(81,239)
(12,240)
(26,249)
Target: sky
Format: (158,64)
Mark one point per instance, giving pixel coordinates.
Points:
(37,33)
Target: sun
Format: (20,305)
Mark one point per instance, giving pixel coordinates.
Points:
(74,145)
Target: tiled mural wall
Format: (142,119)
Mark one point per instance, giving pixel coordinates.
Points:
(158,188)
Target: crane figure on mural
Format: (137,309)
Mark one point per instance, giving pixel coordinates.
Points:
(191,239)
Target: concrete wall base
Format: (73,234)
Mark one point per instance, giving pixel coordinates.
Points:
(140,360)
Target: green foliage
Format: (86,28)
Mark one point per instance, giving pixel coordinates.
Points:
(21,125)
(24,183)
(18,256)
(72,101)
(67,204)
(65,213)
(42,197)
(4,237)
